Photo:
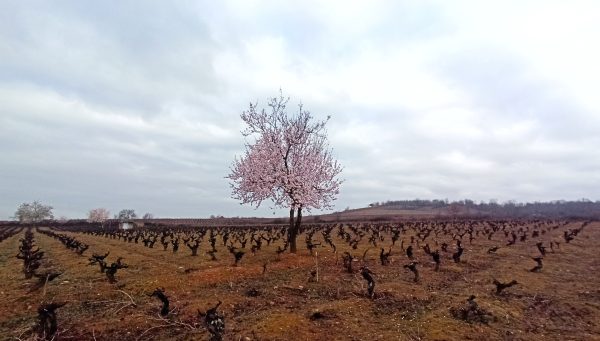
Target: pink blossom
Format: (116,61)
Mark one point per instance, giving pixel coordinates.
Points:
(289,162)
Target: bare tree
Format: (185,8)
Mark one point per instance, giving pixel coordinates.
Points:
(454,209)
(148,216)
(33,212)
(289,162)
(126,214)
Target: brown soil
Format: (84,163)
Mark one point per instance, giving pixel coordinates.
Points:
(562,302)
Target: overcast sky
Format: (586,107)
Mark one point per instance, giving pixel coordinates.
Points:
(136,104)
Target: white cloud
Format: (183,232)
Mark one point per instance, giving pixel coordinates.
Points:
(138,106)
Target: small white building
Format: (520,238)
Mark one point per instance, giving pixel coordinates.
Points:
(129,224)
(126,225)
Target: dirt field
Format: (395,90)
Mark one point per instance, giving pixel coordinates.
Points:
(562,302)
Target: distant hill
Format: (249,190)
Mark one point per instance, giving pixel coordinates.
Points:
(411,209)
(423,209)
(394,210)
(384,213)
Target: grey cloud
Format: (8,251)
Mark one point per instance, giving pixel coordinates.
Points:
(119,55)
(506,89)
(137,106)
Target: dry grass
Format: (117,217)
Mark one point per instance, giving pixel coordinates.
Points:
(560,303)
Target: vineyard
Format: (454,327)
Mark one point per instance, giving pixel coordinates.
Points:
(413,280)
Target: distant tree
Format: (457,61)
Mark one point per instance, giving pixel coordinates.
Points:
(98,215)
(148,216)
(289,163)
(33,212)
(454,208)
(126,214)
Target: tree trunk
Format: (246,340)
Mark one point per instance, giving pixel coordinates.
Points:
(297,226)
(294,228)
(292,232)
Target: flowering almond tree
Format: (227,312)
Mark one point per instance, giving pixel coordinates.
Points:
(289,163)
(98,215)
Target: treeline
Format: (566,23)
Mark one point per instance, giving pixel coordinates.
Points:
(583,208)
(411,204)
